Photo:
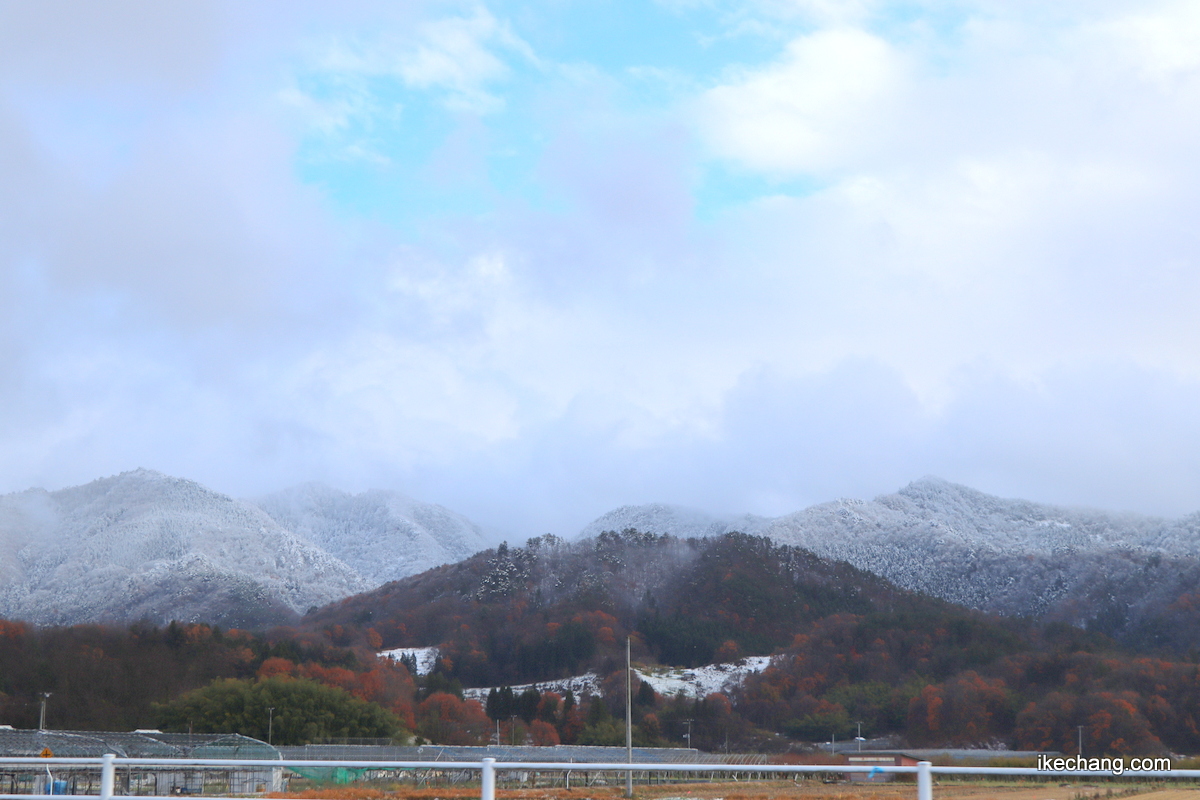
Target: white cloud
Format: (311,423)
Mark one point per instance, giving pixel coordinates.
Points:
(1163,39)
(453,54)
(460,57)
(825,102)
(327,116)
(994,276)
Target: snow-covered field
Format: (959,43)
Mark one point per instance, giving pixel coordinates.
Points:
(670,681)
(579,685)
(703,681)
(424,656)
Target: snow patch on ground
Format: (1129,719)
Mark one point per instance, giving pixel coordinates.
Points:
(425,657)
(578,685)
(669,681)
(702,681)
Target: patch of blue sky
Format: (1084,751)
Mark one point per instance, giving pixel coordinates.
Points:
(382,160)
(723,188)
(935,30)
(697,42)
(943,19)
(400,154)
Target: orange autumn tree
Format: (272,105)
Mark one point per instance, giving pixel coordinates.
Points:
(967,709)
(1111,722)
(445,719)
(387,683)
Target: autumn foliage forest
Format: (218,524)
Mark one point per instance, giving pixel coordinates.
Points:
(848,646)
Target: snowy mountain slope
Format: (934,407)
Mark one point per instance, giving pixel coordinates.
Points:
(383,535)
(146,545)
(968,547)
(959,516)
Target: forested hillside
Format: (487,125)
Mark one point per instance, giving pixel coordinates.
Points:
(846,647)
(1128,576)
(849,646)
(552,608)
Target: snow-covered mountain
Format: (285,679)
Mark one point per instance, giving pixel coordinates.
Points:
(146,545)
(384,536)
(972,548)
(962,545)
(142,545)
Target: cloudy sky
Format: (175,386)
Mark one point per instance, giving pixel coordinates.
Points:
(537,259)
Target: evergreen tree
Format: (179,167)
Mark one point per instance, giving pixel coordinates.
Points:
(303,711)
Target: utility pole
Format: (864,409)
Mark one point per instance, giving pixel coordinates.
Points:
(628,719)
(688,735)
(859,738)
(270,723)
(1081,741)
(42,715)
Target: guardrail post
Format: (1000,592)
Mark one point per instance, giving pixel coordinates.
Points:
(108,774)
(924,781)
(487,780)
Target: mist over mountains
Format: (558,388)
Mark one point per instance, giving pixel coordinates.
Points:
(383,536)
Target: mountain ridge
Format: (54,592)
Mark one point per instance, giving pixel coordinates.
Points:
(1118,572)
(144,545)
(382,535)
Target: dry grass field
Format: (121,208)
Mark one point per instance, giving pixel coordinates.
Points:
(776,790)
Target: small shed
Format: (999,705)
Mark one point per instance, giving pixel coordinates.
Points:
(878,759)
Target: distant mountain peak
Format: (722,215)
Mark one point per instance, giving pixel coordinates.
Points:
(932,488)
(676,520)
(143,544)
(384,535)
(933,482)
(969,547)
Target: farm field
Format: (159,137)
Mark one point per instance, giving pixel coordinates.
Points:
(778,790)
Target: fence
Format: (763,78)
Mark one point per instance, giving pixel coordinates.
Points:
(489,767)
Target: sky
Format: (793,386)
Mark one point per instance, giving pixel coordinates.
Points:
(534,260)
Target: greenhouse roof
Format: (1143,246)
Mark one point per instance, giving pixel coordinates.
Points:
(132,744)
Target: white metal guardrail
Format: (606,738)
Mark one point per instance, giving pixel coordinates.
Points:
(488,768)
